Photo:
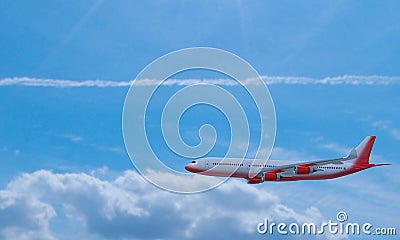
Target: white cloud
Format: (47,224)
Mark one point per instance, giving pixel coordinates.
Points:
(107,148)
(281,153)
(388,127)
(337,80)
(80,140)
(72,137)
(336,148)
(24,217)
(5,149)
(42,82)
(129,207)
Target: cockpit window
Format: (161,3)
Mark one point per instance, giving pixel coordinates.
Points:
(193,161)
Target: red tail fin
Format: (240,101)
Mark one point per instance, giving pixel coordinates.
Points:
(364,150)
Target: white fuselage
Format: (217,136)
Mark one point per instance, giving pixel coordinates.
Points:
(233,167)
(258,171)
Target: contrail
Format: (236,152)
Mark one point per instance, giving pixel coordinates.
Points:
(269,80)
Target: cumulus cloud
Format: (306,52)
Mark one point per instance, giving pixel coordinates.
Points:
(337,80)
(24,217)
(129,207)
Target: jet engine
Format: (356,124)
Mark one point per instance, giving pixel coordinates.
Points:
(254,181)
(272,176)
(304,169)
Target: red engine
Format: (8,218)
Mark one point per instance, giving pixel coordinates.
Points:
(254,181)
(271,176)
(304,169)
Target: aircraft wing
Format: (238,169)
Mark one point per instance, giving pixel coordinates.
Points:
(284,168)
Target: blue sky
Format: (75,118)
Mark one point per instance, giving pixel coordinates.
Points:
(65,171)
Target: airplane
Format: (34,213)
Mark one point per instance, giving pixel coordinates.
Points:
(256,171)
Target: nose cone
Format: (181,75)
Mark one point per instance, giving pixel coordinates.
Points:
(188,168)
(192,168)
